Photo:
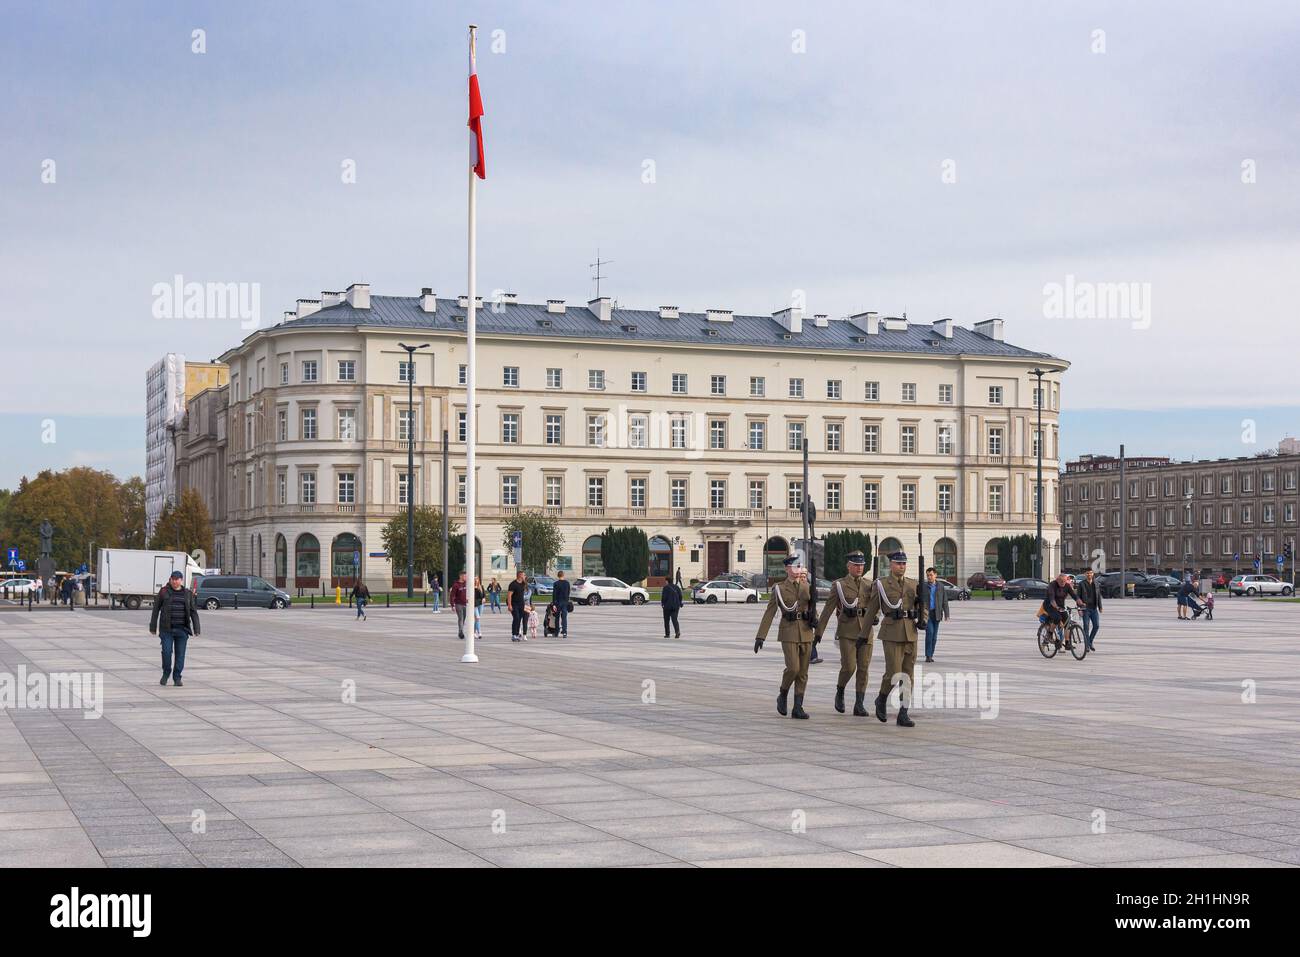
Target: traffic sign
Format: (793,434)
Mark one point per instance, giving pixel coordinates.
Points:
(356,559)
(21,565)
(517,546)
(1237,557)
(13,555)
(1256,564)
(1280,561)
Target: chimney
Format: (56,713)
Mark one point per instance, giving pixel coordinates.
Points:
(896,323)
(602,308)
(288,315)
(359,295)
(717,315)
(668,312)
(791,318)
(509,298)
(821,320)
(463,301)
(943,327)
(868,322)
(990,329)
(428,301)
(555,305)
(328,299)
(307,306)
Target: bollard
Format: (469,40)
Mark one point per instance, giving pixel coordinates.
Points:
(313,599)
(424,599)
(388,599)
(236,601)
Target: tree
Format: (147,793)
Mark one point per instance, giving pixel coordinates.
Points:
(1016,564)
(625,553)
(185,526)
(130,497)
(428,542)
(82,505)
(837,548)
(542,538)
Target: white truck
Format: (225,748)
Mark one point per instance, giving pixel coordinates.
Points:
(134,576)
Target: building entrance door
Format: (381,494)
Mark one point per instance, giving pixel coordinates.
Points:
(717,563)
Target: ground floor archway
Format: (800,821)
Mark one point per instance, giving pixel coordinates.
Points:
(945,559)
(306,555)
(592,564)
(887,547)
(661,561)
(775,551)
(281,561)
(345,565)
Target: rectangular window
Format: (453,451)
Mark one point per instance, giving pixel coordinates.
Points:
(871,496)
(554,428)
(794,436)
(638,382)
(834,432)
(718,385)
(462,374)
(284,373)
(510,428)
(907,440)
(404,425)
(872,392)
(405,371)
(757,435)
(794,494)
(833,496)
(796,388)
(347,488)
(638,431)
(636,493)
(679,383)
(347,370)
(281,488)
(309,423)
(510,377)
(834,389)
(945,497)
(717,493)
(717,433)
(402,485)
(554,378)
(1038,437)
(309,370)
(462,426)
(909,391)
(871,438)
(307,488)
(554,491)
(596,430)
(510,490)
(995,395)
(677,493)
(282,425)
(757,494)
(995,441)
(945,440)
(460,489)
(995,499)
(595,491)
(347,425)
(907,497)
(677,433)
(945,393)
(596,379)
(757,386)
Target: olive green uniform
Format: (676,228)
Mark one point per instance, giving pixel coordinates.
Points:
(796,636)
(901,616)
(853,630)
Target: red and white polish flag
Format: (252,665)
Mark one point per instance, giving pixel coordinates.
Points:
(475,116)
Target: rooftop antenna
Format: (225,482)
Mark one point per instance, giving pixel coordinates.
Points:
(596,265)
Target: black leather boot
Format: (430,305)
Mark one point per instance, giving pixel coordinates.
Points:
(880,708)
(798,711)
(839,700)
(903,720)
(780,701)
(858,710)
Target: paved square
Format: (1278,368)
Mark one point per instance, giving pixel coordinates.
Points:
(307,738)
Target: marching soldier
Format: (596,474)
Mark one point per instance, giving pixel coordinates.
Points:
(791,598)
(850,596)
(895,599)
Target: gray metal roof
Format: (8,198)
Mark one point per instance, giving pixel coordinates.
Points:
(645,325)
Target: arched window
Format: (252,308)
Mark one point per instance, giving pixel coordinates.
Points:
(775,552)
(591,561)
(945,559)
(345,565)
(991,558)
(661,561)
(887,547)
(306,569)
(281,561)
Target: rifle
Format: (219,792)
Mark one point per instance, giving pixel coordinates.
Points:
(812,570)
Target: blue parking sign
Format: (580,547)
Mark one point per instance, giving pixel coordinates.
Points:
(1280,561)
(22,565)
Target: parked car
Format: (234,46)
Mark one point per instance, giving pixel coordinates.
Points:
(955,593)
(736,577)
(727,592)
(216,591)
(1022,588)
(542,584)
(1258,585)
(1109,583)
(980,581)
(13,587)
(592,591)
(1156,586)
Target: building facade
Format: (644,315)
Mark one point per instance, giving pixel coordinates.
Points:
(169,384)
(1208,517)
(200,455)
(688,425)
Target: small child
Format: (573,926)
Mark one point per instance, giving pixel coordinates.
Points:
(1209,607)
(532,622)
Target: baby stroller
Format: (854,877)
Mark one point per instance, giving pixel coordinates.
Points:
(551,621)
(1197,610)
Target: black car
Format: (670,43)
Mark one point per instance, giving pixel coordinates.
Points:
(1156,586)
(955,593)
(1022,588)
(1109,583)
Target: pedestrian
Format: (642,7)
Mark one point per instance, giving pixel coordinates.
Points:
(517,602)
(175,617)
(935,599)
(458,598)
(1184,591)
(478,607)
(435,589)
(671,600)
(1089,602)
(792,599)
(494,596)
(679,576)
(361,595)
(895,598)
(560,601)
(532,622)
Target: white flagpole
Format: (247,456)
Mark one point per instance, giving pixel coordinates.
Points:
(469,655)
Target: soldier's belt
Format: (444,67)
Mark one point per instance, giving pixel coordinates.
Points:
(902,615)
(790,616)
(853,613)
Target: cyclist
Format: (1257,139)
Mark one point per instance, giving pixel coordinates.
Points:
(1053,606)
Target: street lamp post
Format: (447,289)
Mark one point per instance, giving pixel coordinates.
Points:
(410,464)
(1038,507)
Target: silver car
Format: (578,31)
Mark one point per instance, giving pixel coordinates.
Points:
(592,591)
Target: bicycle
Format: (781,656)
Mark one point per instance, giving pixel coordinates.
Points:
(1068,633)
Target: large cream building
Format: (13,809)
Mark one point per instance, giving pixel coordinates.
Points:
(688,425)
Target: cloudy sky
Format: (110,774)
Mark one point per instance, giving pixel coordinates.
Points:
(943,159)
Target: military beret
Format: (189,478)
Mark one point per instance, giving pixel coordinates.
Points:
(898,557)
(857,558)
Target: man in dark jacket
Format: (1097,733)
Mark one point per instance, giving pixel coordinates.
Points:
(1089,600)
(518,599)
(934,598)
(175,617)
(671,600)
(560,599)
